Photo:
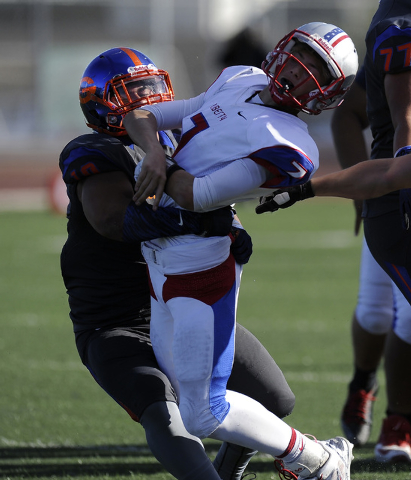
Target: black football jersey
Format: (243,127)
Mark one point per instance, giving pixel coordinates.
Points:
(106,280)
(388,42)
(388,52)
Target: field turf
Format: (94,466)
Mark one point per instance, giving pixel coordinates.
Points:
(297,296)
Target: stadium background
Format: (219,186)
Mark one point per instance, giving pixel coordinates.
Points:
(46,44)
(54,421)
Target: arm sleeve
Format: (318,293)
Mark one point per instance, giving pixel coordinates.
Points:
(170,115)
(142,223)
(223,186)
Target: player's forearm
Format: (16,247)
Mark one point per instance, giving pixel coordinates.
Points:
(141,126)
(180,188)
(368,179)
(220,188)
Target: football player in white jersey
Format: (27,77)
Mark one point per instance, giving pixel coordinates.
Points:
(239,138)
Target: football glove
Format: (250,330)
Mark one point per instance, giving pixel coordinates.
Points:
(284,198)
(242,246)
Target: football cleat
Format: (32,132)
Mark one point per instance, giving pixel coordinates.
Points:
(283,473)
(356,418)
(336,467)
(394,443)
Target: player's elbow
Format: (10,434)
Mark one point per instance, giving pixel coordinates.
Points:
(110,225)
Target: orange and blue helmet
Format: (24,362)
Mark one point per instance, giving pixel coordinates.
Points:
(118,81)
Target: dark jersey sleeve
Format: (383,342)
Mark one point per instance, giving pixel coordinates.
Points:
(392,47)
(92,154)
(388,43)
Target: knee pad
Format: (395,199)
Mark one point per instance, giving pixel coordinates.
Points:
(199,419)
(402,323)
(375,319)
(375,306)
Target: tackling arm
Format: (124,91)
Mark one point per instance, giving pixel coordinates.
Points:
(367,179)
(374,178)
(370,178)
(107,203)
(141,126)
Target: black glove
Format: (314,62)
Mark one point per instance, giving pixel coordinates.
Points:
(284,198)
(217,223)
(242,246)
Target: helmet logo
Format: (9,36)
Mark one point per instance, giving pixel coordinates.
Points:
(87,89)
(335,36)
(333,33)
(325,45)
(138,68)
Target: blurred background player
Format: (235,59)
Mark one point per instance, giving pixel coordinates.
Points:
(381,306)
(106,279)
(239,138)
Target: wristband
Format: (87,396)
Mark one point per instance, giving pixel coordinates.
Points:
(307,190)
(403,151)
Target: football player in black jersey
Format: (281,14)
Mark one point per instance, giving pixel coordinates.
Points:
(106,279)
(384,182)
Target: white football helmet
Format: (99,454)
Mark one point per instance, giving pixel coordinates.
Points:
(339,54)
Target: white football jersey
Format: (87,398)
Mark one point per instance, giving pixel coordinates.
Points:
(228,129)
(229,126)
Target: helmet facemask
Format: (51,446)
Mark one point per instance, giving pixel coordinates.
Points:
(284,92)
(335,83)
(125,93)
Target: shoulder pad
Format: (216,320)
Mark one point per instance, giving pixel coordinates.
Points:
(94,153)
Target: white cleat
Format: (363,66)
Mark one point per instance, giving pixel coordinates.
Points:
(337,467)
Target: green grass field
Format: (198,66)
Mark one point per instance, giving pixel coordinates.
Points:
(298,293)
